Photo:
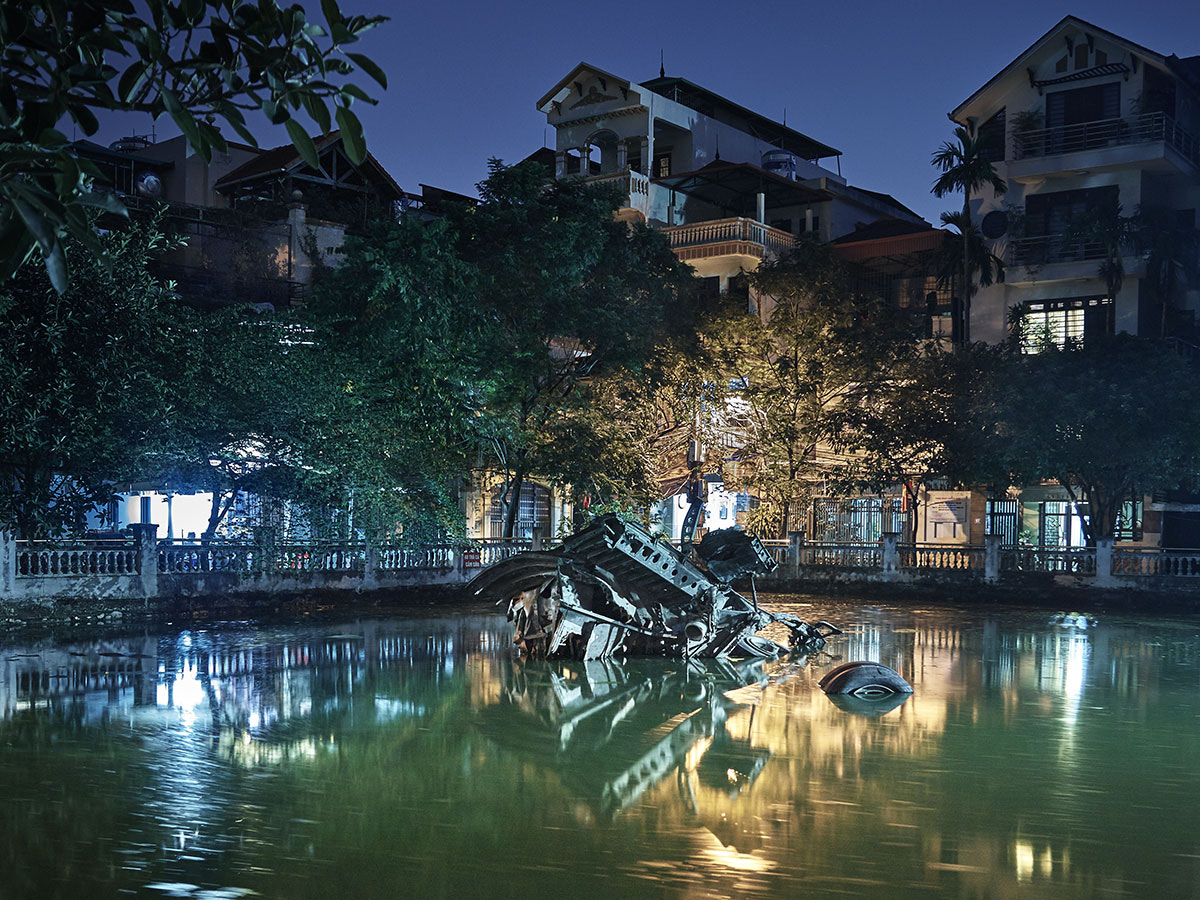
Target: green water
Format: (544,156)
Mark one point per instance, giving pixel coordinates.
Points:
(413,757)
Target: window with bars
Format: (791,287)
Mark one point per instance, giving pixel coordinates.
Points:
(1073,319)
(533,511)
(1004,518)
(858,519)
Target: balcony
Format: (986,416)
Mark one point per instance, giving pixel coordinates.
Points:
(634,185)
(1043,249)
(1086,137)
(727,237)
(1053,258)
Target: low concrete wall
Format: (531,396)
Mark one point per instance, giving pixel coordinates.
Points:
(145,569)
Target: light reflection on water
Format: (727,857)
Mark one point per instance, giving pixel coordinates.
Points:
(374,758)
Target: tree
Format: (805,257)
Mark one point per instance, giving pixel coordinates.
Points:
(567,295)
(1103,228)
(895,431)
(965,167)
(198,61)
(795,372)
(246,401)
(1111,420)
(1172,253)
(394,329)
(982,263)
(79,400)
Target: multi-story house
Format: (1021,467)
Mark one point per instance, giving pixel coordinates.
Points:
(729,187)
(252,217)
(1085,126)
(257,222)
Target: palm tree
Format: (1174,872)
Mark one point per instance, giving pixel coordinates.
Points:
(965,168)
(1105,230)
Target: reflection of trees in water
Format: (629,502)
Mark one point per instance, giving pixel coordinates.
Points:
(379,756)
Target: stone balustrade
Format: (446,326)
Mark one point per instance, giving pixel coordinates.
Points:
(146,568)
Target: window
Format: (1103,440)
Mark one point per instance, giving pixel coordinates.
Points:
(662,164)
(1081,56)
(533,511)
(991,138)
(857,519)
(1071,319)
(1101,58)
(1129,521)
(1052,214)
(1086,104)
(1061,65)
(1003,518)
(1060,524)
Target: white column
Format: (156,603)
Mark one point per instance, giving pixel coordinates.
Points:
(8,563)
(560,163)
(622,156)
(760,207)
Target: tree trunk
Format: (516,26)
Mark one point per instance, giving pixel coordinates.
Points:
(966,289)
(513,507)
(217,513)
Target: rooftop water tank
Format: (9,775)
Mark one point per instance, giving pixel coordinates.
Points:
(781,162)
(131,144)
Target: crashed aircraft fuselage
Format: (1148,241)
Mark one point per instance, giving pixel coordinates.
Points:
(614,590)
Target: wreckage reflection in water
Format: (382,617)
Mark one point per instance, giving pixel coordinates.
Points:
(375,758)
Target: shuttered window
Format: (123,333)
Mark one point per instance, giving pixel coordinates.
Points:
(1087,104)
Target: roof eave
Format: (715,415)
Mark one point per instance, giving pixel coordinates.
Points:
(544,103)
(956,114)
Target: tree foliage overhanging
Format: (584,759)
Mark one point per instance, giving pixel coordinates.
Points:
(200,62)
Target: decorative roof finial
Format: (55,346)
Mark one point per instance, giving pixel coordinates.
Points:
(662,69)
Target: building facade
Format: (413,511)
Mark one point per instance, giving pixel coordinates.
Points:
(1096,138)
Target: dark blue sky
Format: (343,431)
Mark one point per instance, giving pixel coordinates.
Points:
(874,79)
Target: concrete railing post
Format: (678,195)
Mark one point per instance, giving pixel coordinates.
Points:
(145,543)
(8,564)
(889,543)
(1104,563)
(371,566)
(991,557)
(795,548)
(539,537)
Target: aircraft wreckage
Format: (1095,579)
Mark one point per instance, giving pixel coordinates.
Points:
(614,590)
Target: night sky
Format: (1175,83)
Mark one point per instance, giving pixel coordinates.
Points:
(873,79)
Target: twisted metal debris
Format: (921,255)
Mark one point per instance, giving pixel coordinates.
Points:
(614,590)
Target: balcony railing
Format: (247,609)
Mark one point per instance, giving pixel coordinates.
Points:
(1142,129)
(635,185)
(1052,248)
(721,231)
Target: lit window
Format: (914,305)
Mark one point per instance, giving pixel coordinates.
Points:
(1072,319)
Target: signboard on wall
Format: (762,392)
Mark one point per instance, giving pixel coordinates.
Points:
(947,517)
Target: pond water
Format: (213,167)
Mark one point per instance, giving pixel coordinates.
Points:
(411,755)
